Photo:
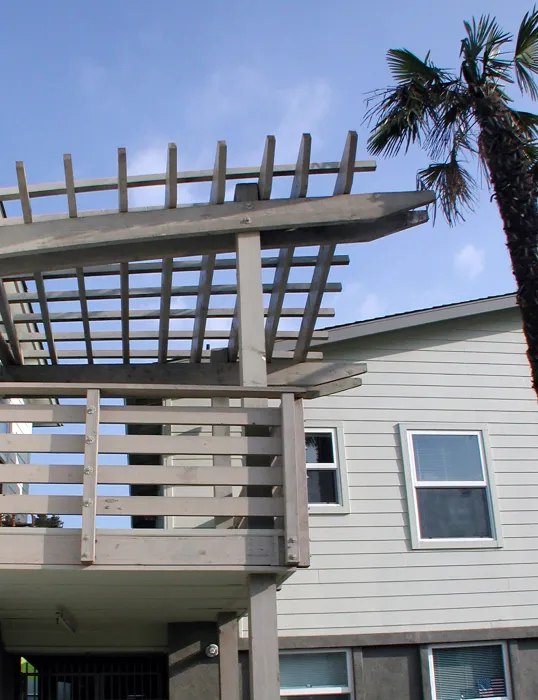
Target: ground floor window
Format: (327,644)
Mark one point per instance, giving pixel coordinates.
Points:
(316,675)
(469,672)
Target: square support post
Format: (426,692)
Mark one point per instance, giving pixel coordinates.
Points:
(263,636)
(228,656)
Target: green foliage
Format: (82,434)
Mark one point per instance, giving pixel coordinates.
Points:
(438,109)
(48,521)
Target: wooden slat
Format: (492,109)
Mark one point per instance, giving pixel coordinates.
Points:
(163,505)
(23,193)
(164,311)
(70,186)
(9,325)
(87,335)
(265,179)
(233,340)
(184,177)
(42,296)
(289,470)
(117,390)
(170,196)
(302,487)
(149,292)
(151,353)
(74,336)
(343,185)
(180,265)
(140,314)
(60,505)
(142,444)
(90,477)
(123,197)
(125,314)
(218,191)
(142,474)
(285,257)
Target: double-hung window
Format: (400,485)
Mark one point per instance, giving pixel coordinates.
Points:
(469,672)
(449,487)
(325,468)
(320,675)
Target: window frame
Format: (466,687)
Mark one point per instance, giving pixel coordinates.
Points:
(461,645)
(412,484)
(321,690)
(336,430)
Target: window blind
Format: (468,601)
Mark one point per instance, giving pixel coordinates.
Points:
(447,457)
(466,673)
(323,670)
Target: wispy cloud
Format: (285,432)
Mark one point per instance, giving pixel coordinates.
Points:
(148,161)
(470,261)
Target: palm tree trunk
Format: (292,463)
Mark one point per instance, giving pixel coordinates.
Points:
(515,191)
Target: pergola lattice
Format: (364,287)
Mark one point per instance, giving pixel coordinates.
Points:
(58,259)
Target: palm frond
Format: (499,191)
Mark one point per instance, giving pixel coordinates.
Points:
(403,114)
(406,66)
(481,51)
(454,115)
(454,186)
(526,54)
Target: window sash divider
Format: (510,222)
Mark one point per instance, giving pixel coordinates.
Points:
(317,690)
(451,484)
(322,465)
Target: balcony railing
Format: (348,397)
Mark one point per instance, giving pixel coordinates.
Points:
(245,460)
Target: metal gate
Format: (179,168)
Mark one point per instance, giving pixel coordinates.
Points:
(94,678)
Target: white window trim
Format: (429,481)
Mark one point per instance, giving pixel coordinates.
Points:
(406,431)
(319,690)
(506,665)
(336,429)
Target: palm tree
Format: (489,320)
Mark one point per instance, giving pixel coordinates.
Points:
(467,116)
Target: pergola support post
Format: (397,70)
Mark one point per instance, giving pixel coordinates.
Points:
(263,637)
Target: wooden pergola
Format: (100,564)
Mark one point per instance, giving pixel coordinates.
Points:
(50,318)
(61,275)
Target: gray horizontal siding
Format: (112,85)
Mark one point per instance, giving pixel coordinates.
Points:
(364,575)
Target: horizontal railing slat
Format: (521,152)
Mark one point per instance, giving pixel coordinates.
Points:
(58,505)
(168,415)
(140,444)
(162,505)
(130,474)
(146,505)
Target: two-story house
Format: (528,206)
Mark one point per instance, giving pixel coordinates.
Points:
(365,493)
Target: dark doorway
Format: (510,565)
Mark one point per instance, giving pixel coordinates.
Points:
(94,678)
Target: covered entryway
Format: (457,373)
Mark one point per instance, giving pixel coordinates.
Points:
(137,677)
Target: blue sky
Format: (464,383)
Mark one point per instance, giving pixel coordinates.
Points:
(86,78)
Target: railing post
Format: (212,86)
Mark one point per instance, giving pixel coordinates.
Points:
(89,479)
(289,474)
(302,485)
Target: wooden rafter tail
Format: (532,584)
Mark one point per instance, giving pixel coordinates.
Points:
(265,180)
(87,335)
(70,186)
(285,256)
(123,197)
(9,325)
(164,312)
(24,195)
(218,193)
(170,196)
(125,314)
(43,304)
(343,185)
(104,184)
